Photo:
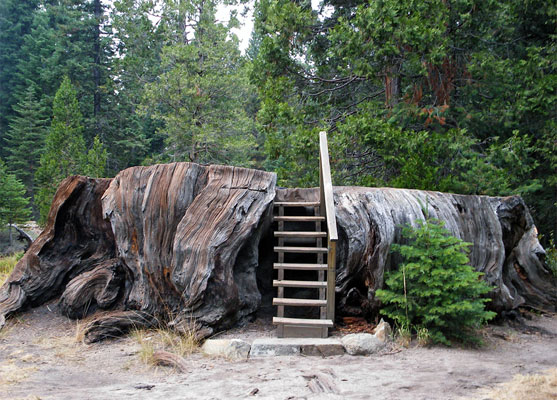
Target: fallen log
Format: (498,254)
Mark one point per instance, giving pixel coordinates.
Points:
(22,236)
(183,245)
(505,245)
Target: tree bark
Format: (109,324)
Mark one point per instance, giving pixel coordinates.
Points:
(23,236)
(505,245)
(183,245)
(168,244)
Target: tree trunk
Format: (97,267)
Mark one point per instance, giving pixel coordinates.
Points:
(97,64)
(168,244)
(23,236)
(188,246)
(505,245)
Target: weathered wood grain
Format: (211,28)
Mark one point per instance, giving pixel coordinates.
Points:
(505,246)
(189,235)
(75,240)
(179,245)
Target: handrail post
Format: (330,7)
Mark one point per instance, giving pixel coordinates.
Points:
(327,207)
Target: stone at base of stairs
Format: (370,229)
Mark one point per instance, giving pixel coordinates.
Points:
(294,346)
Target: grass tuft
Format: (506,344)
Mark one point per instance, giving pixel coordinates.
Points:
(403,336)
(532,387)
(152,340)
(7,265)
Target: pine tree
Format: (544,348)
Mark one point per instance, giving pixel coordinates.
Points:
(65,148)
(199,98)
(95,162)
(14,206)
(67,37)
(435,288)
(16,17)
(25,139)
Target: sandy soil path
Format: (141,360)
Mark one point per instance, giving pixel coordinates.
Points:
(40,359)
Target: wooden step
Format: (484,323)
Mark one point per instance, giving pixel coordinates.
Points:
(300,302)
(294,249)
(300,267)
(300,284)
(325,323)
(297,203)
(301,218)
(300,234)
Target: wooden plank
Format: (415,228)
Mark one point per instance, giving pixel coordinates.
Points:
(300,234)
(299,284)
(280,290)
(302,218)
(331,280)
(293,249)
(300,331)
(327,187)
(296,203)
(300,266)
(321,276)
(299,302)
(302,322)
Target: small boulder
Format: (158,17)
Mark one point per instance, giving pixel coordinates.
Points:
(383,331)
(233,349)
(361,344)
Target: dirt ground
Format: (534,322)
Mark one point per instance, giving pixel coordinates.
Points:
(41,359)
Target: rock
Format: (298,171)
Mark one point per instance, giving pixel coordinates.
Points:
(383,331)
(233,349)
(293,346)
(323,349)
(361,344)
(274,347)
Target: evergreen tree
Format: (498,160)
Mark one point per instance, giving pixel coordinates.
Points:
(199,96)
(469,83)
(65,148)
(14,207)
(95,161)
(25,139)
(435,288)
(15,22)
(139,41)
(69,38)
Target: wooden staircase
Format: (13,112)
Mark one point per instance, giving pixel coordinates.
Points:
(306,258)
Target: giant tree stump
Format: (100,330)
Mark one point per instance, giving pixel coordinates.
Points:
(174,243)
(180,245)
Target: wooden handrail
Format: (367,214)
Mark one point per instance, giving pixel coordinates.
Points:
(327,207)
(326,188)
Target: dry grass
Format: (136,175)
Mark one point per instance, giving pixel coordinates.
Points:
(11,373)
(7,265)
(152,340)
(60,347)
(403,336)
(532,387)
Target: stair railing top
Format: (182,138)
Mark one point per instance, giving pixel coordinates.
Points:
(326,188)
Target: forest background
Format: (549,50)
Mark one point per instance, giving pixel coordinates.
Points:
(448,95)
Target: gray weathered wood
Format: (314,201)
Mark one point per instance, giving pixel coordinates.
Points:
(303,322)
(178,244)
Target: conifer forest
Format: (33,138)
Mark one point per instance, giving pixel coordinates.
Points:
(444,95)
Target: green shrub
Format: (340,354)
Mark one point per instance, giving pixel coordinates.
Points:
(435,288)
